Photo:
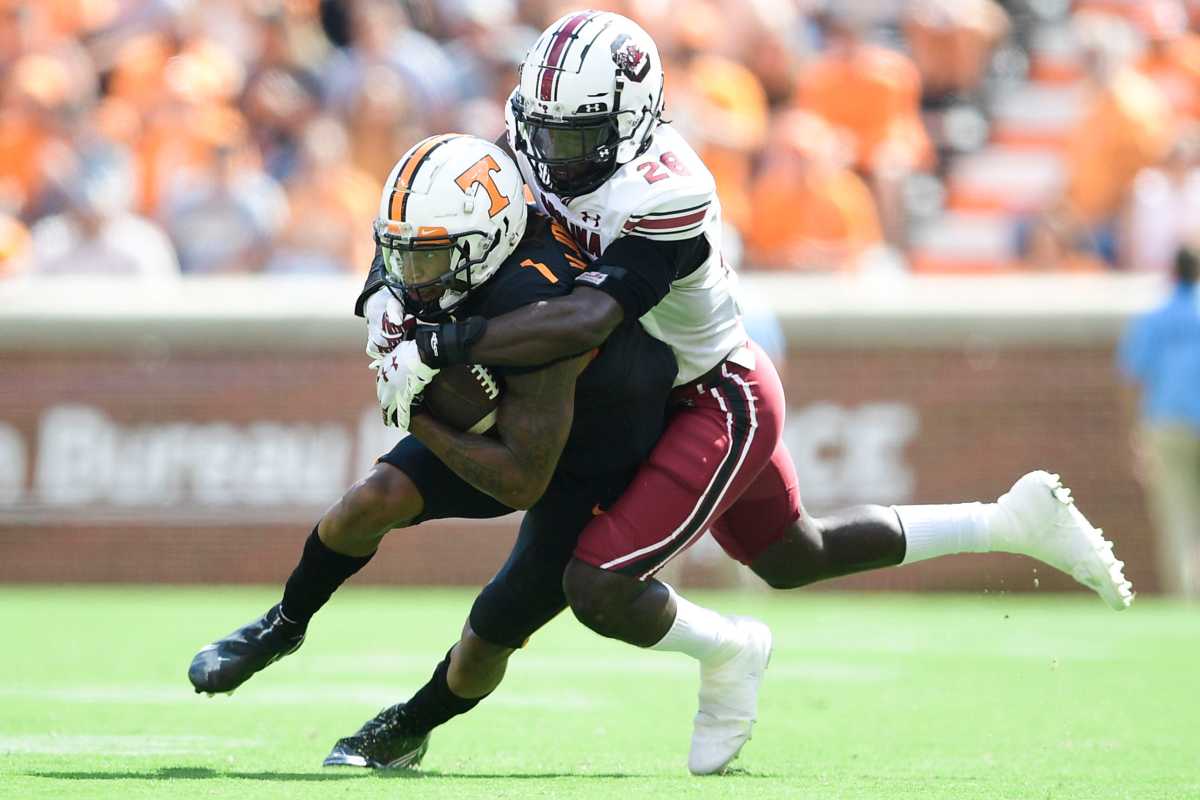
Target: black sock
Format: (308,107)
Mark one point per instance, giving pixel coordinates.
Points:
(318,575)
(434,703)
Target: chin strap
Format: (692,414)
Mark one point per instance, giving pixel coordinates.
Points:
(450,342)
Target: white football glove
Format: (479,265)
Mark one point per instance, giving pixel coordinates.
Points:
(400,377)
(387,324)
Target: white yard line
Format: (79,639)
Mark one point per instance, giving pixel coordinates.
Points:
(803,668)
(285,696)
(117,745)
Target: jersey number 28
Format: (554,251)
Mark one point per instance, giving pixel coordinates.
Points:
(652,172)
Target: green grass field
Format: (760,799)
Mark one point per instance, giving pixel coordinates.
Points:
(873,696)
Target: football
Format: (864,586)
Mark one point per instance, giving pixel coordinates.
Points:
(465,397)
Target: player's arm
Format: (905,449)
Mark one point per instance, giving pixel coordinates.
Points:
(502,143)
(532,425)
(373,283)
(629,279)
(538,333)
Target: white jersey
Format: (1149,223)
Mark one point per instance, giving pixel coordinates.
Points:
(666,194)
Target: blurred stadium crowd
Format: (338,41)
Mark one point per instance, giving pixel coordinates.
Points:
(166,137)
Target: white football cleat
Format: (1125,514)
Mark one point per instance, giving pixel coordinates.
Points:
(729,701)
(1038,518)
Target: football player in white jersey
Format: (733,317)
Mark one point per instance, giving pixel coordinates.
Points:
(585,125)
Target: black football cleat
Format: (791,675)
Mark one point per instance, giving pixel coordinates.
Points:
(227,663)
(386,741)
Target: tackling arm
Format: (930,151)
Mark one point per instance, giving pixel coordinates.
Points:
(603,296)
(546,331)
(534,420)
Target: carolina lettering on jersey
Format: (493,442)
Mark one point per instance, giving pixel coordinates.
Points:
(588,241)
(574,253)
(666,194)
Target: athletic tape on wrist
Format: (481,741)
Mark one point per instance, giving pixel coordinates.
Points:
(449,343)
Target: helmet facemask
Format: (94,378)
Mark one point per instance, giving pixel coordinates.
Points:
(573,156)
(432,273)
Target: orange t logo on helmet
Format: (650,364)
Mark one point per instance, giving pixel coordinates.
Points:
(481,173)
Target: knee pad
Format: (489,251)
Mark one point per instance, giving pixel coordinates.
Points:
(597,597)
(506,613)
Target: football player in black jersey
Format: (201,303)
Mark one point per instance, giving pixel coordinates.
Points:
(456,239)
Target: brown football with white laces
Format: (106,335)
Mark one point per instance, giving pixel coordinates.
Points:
(465,397)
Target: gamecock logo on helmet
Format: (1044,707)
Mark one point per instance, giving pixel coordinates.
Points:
(630,59)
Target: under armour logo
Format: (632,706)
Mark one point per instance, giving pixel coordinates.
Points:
(583,215)
(433,344)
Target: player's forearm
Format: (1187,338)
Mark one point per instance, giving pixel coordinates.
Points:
(545,331)
(485,463)
(532,425)
(539,333)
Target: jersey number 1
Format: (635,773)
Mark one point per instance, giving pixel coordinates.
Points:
(542,268)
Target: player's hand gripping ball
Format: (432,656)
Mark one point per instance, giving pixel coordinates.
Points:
(400,377)
(387,325)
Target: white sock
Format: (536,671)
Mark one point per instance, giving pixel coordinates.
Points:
(702,634)
(932,531)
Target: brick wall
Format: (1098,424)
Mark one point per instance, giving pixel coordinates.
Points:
(161,466)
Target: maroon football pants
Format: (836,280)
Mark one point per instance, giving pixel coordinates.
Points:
(720,465)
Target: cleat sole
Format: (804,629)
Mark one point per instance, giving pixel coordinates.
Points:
(409,760)
(1101,571)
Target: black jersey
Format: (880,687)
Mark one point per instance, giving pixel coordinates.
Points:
(621,397)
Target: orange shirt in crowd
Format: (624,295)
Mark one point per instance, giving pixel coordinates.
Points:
(78,18)
(874,94)
(139,69)
(810,210)
(326,215)
(728,101)
(38,88)
(1175,69)
(1127,126)
(178,139)
(15,246)
(730,169)
(821,219)
(951,41)
(22,144)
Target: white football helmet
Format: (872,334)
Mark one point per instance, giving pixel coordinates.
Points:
(452,210)
(589,96)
